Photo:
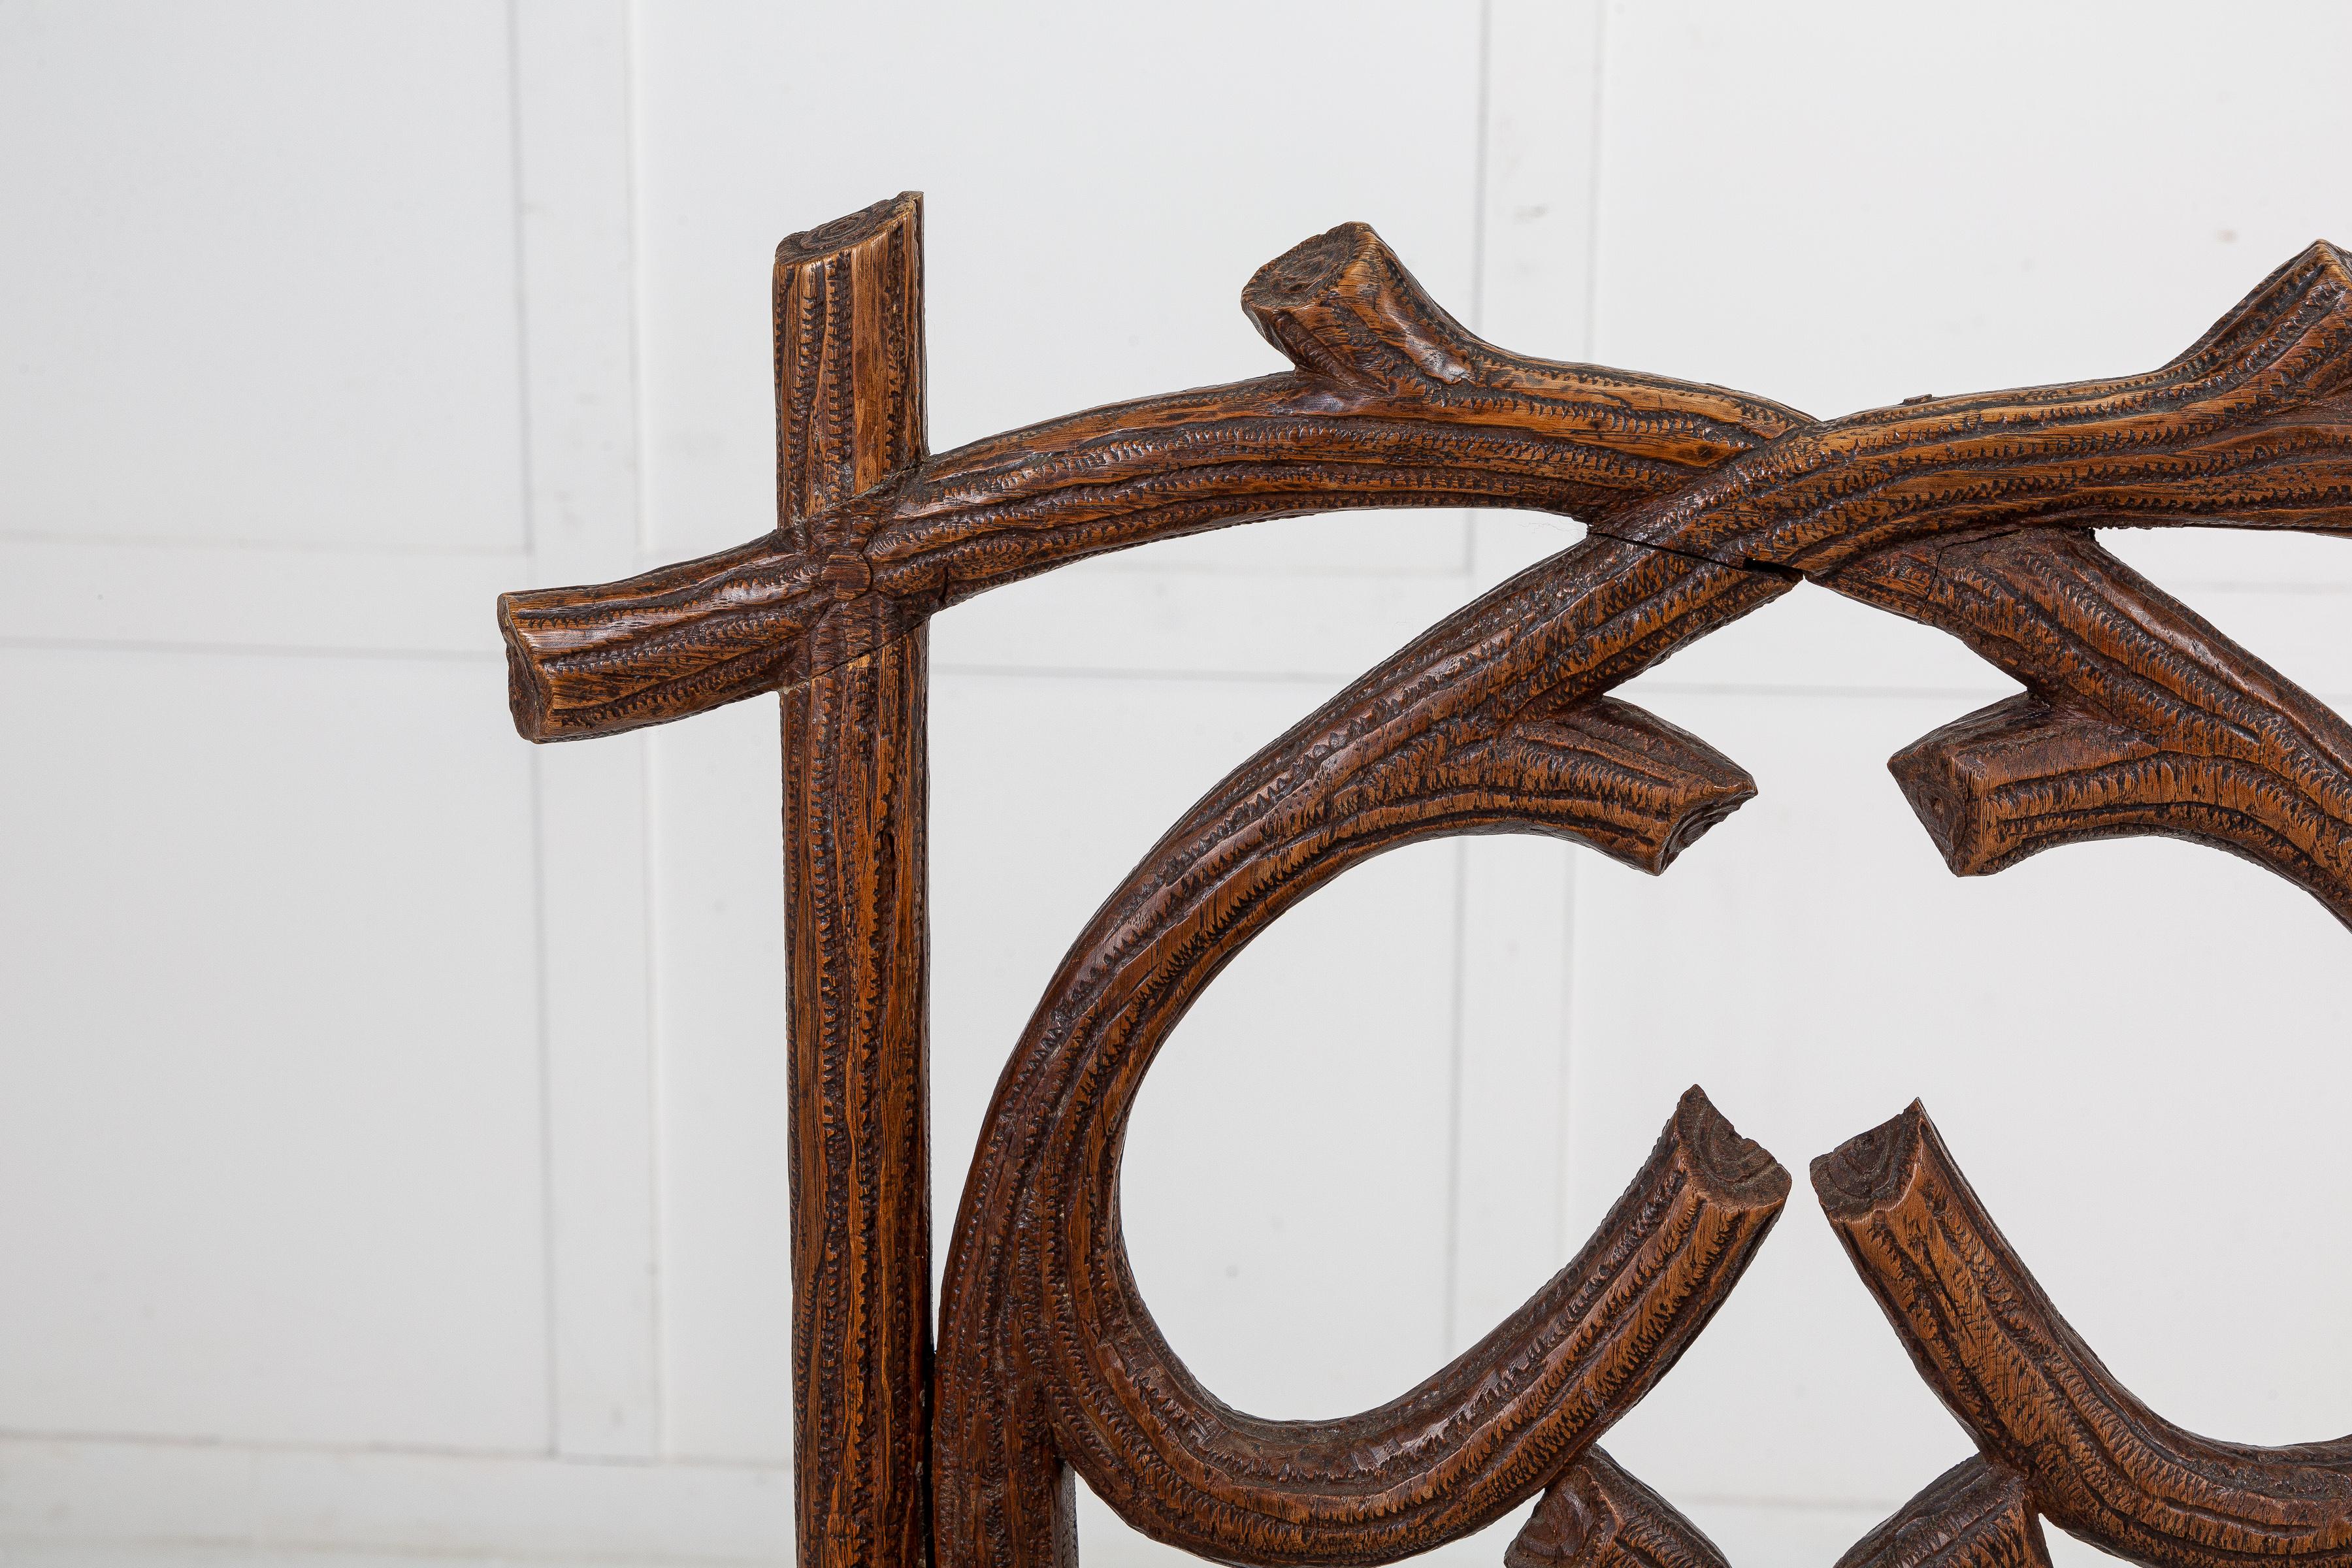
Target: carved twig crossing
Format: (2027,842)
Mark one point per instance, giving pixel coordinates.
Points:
(1393,405)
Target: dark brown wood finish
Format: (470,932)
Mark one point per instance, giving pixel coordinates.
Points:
(849,404)
(1597,1516)
(1048,1354)
(1975,1515)
(2091,1459)
(1393,405)
(1973,514)
(2137,717)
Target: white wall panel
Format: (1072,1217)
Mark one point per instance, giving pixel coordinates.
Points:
(725,1213)
(1101,182)
(181,1505)
(271,1167)
(261,274)
(1842,204)
(573,125)
(2101,1020)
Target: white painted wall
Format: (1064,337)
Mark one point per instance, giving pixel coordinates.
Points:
(391,1148)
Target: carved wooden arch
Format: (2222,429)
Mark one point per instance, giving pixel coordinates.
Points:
(1974,514)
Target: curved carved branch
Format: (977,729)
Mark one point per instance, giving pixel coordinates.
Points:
(1597,1516)
(2098,1462)
(1491,721)
(2250,427)
(1090,1381)
(1392,403)
(2139,716)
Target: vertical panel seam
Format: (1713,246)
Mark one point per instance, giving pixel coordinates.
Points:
(524,474)
(633,158)
(1449,1318)
(524,466)
(540,861)
(1480,144)
(656,1360)
(1593,185)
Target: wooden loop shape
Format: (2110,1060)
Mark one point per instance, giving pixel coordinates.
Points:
(1048,1355)
(1492,721)
(2097,1462)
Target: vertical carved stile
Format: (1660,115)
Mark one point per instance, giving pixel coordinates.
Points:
(849,381)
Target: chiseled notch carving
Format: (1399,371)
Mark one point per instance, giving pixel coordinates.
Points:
(2088,1455)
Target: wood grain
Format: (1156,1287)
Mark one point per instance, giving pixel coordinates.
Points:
(2250,427)
(1048,1355)
(849,382)
(1975,1515)
(1597,1516)
(1392,403)
(2138,716)
(2098,1463)
(1492,721)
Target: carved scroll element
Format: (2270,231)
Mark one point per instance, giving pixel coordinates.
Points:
(1492,721)
(2095,1460)
(2138,717)
(1070,1367)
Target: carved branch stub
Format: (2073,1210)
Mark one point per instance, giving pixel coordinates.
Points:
(1973,514)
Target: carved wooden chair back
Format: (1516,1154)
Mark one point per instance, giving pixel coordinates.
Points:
(1975,514)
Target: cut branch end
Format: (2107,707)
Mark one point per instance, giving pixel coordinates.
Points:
(1342,306)
(1873,1170)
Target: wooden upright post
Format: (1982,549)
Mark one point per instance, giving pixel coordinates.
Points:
(849,401)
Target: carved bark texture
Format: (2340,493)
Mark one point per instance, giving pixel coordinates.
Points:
(1597,1516)
(1492,721)
(1393,405)
(1051,1355)
(1967,513)
(849,377)
(1974,1515)
(2098,1463)
(2250,427)
(2138,717)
